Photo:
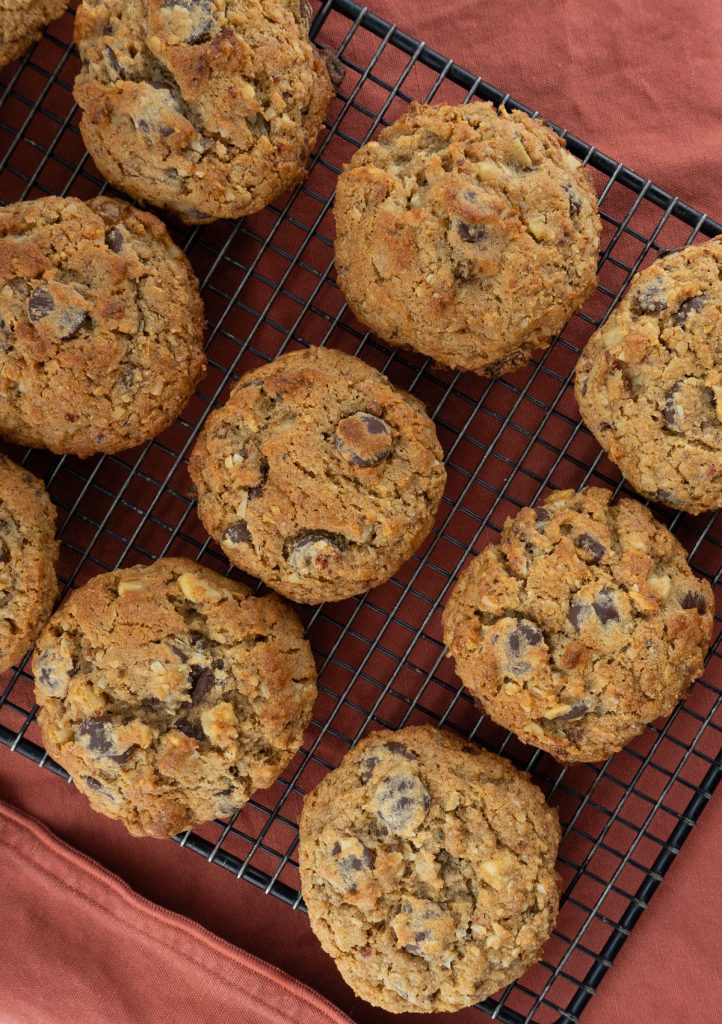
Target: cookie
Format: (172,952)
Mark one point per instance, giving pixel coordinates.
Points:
(101,326)
(427,867)
(581,626)
(649,382)
(28,553)
(318,475)
(205,109)
(468,234)
(22,22)
(170,693)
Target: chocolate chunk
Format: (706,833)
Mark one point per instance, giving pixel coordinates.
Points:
(202,680)
(670,406)
(40,303)
(401,802)
(692,305)
(363,439)
(542,518)
(604,606)
(93,783)
(693,599)
(96,734)
(4,553)
(667,497)
(112,59)
(594,548)
(257,490)
(179,654)
(575,203)
(69,321)
(367,767)
(190,729)
(471,232)
(352,865)
(237,533)
(336,69)
(48,679)
(399,748)
(114,239)
(577,711)
(201,12)
(310,551)
(650,298)
(525,634)
(578,611)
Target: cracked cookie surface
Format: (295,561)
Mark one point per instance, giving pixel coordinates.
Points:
(170,693)
(649,382)
(28,553)
(318,475)
(427,867)
(582,625)
(206,108)
(466,234)
(22,22)
(101,326)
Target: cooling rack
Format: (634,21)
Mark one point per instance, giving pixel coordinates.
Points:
(268,286)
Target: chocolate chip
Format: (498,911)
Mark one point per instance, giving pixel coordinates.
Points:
(114,239)
(97,735)
(48,679)
(257,490)
(398,748)
(93,783)
(693,599)
(202,680)
(650,298)
(604,606)
(180,654)
(201,12)
(670,406)
(471,232)
(367,767)
(692,305)
(363,439)
(237,533)
(352,865)
(4,553)
(667,497)
(594,548)
(336,70)
(578,611)
(401,802)
(40,303)
(190,729)
(69,321)
(577,711)
(112,59)
(575,203)
(525,634)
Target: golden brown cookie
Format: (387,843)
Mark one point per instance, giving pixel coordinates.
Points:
(22,22)
(170,693)
(206,109)
(101,326)
(28,553)
(318,475)
(467,234)
(427,866)
(582,625)
(649,382)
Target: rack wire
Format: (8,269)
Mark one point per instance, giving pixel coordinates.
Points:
(268,286)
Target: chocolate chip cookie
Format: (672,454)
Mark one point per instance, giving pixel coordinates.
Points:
(583,624)
(101,326)
(467,234)
(427,866)
(206,109)
(170,693)
(22,22)
(649,382)
(318,476)
(28,553)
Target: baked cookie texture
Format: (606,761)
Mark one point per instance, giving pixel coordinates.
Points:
(170,693)
(28,554)
(206,108)
(22,22)
(318,475)
(427,866)
(582,625)
(101,326)
(649,382)
(467,234)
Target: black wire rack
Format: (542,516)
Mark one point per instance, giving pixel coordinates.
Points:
(268,286)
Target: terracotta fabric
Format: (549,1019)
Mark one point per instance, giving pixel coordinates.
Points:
(641,81)
(78,945)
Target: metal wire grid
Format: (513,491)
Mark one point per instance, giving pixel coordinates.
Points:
(268,285)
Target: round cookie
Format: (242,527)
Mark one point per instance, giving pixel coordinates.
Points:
(101,326)
(468,234)
(318,476)
(581,626)
(205,109)
(427,866)
(22,22)
(170,693)
(28,553)
(649,382)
